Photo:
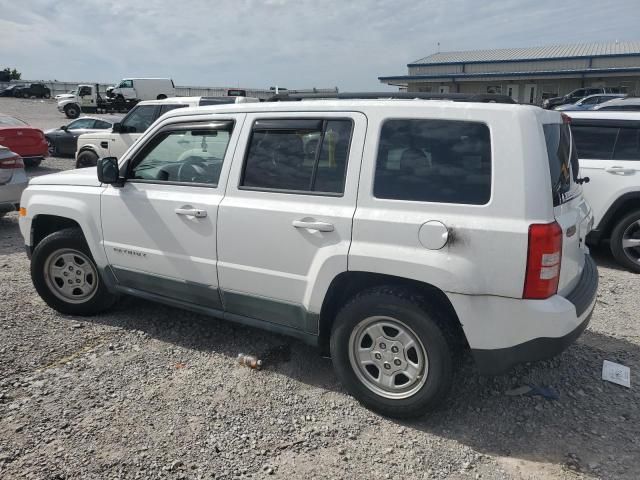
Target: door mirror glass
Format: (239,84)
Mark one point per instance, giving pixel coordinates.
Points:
(108,171)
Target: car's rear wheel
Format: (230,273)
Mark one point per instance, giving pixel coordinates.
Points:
(66,276)
(32,162)
(51,147)
(625,241)
(72,111)
(162,96)
(25,95)
(86,159)
(47,95)
(390,350)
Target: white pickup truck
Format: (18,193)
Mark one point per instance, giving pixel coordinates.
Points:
(390,233)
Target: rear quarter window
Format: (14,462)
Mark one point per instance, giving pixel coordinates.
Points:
(563,159)
(444,161)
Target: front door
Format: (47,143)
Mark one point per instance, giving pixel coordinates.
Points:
(284,227)
(513,91)
(160,227)
(531,93)
(68,139)
(131,128)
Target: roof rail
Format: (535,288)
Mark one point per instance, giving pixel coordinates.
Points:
(456,97)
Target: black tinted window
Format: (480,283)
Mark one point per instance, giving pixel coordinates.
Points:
(101,124)
(563,159)
(299,155)
(628,144)
(167,108)
(434,161)
(594,142)
(139,119)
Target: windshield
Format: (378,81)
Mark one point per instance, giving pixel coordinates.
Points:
(563,159)
(6,121)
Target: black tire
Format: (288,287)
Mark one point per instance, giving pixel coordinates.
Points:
(424,322)
(70,239)
(616,242)
(47,95)
(86,158)
(32,162)
(26,95)
(72,111)
(162,96)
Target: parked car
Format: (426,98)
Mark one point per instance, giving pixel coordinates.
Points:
(574,96)
(628,104)
(390,233)
(64,140)
(8,92)
(609,151)
(13,180)
(26,141)
(588,103)
(28,90)
(115,142)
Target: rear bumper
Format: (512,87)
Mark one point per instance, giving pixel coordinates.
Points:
(531,330)
(11,191)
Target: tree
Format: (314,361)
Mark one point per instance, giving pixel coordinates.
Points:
(7,74)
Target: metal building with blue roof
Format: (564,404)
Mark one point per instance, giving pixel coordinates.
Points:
(528,75)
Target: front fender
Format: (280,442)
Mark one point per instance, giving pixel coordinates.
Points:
(78,203)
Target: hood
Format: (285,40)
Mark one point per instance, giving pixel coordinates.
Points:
(83,177)
(64,95)
(98,135)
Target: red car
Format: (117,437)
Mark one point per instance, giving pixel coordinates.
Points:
(26,141)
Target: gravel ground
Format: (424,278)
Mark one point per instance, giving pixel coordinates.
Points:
(147,391)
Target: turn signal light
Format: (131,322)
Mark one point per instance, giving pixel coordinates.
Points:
(22,212)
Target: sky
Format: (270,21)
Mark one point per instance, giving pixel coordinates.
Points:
(289,43)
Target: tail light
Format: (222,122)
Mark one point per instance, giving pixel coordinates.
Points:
(13,162)
(543,261)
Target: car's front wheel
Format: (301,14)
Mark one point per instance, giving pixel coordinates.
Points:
(66,276)
(86,159)
(625,241)
(391,352)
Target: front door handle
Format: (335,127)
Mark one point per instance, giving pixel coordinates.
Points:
(619,169)
(313,225)
(191,212)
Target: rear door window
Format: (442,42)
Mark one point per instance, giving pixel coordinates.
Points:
(139,119)
(446,161)
(167,108)
(628,145)
(594,142)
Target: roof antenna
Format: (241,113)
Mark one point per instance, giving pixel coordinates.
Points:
(438,47)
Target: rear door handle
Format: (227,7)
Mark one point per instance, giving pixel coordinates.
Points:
(313,225)
(191,212)
(619,169)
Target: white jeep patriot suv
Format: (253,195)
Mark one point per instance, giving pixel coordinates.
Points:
(390,233)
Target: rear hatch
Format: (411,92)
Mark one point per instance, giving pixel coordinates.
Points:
(571,211)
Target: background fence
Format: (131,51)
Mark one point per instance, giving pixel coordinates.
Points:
(57,87)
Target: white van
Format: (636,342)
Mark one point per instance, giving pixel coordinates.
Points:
(145,89)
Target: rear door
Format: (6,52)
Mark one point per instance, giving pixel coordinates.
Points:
(609,152)
(571,211)
(284,227)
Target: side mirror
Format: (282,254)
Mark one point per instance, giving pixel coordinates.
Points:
(108,171)
(117,127)
(63,127)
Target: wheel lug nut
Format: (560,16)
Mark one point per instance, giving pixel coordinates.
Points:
(66,274)
(71,269)
(383,346)
(394,349)
(397,362)
(378,356)
(78,272)
(386,366)
(70,281)
(78,280)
